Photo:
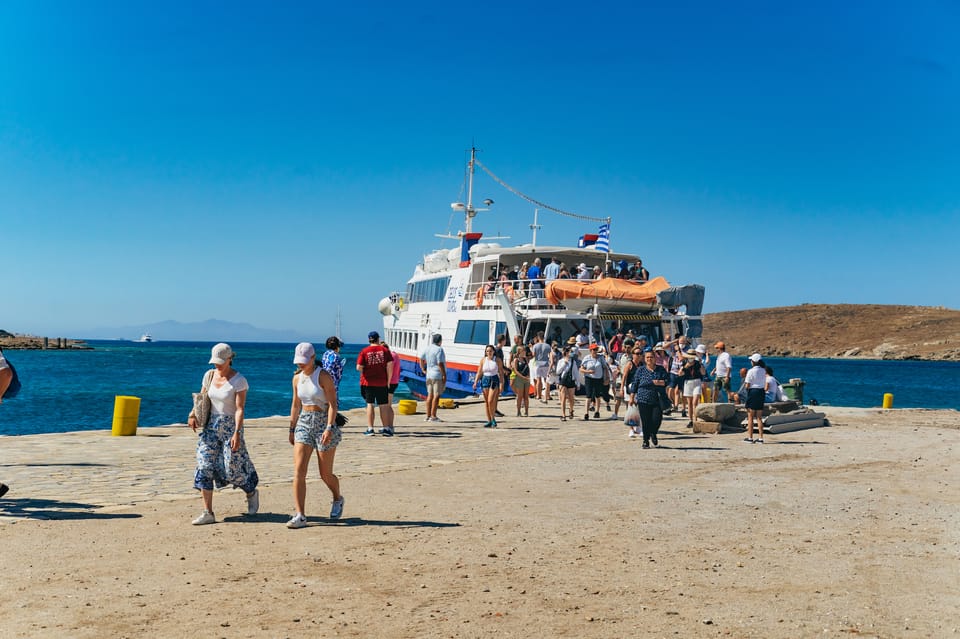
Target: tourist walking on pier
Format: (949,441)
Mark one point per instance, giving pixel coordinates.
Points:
(693,372)
(649,382)
(375,365)
(540,368)
(592,369)
(313,426)
(222,457)
(434,365)
(489,376)
(520,380)
(332,362)
(722,373)
(568,379)
(755,382)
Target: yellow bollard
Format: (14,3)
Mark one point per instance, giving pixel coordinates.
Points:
(888,400)
(126,411)
(407,407)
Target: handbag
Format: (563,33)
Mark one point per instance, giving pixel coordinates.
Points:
(201,401)
(665,403)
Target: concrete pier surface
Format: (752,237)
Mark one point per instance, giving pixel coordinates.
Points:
(538,528)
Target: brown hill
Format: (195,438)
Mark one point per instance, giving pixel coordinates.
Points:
(862,331)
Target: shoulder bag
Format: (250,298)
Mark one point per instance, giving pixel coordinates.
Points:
(201,401)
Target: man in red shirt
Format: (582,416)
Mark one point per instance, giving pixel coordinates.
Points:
(375,364)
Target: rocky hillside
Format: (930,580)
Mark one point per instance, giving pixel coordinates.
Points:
(867,331)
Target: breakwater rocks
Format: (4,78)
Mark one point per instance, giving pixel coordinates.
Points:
(12,342)
(847,331)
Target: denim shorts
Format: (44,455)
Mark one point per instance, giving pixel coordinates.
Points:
(310,429)
(490,381)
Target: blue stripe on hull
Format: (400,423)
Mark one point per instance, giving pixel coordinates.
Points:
(459,383)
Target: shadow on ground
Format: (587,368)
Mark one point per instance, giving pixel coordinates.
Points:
(282,518)
(52,509)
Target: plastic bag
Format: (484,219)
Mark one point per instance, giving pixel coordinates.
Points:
(632,418)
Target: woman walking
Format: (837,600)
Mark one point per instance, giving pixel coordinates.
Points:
(490,378)
(693,372)
(313,426)
(568,376)
(649,383)
(627,385)
(222,458)
(520,379)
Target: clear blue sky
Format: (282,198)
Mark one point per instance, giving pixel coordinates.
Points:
(268,162)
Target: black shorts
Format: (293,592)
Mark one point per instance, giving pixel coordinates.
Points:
(754,399)
(675,380)
(375,395)
(594,387)
(392,388)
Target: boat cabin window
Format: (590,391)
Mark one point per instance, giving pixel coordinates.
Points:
(434,290)
(478,332)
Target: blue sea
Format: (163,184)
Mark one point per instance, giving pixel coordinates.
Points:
(75,390)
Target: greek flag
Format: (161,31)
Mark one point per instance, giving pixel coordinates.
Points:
(603,241)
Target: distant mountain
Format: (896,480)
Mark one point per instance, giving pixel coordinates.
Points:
(212,330)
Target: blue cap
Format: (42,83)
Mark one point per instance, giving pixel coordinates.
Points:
(373,335)
(647,350)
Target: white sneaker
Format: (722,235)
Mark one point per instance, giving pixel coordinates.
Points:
(435,419)
(428,419)
(206,517)
(253,502)
(632,434)
(297,521)
(336,509)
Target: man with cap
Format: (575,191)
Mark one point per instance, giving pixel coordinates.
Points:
(434,363)
(722,373)
(592,368)
(375,364)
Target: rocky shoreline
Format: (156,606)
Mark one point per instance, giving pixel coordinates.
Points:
(840,331)
(34,343)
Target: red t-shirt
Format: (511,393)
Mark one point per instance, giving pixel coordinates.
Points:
(374,360)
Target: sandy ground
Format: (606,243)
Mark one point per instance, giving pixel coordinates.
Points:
(537,529)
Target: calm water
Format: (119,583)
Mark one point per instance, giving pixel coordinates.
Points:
(75,390)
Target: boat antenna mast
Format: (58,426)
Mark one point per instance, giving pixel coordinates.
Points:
(468,209)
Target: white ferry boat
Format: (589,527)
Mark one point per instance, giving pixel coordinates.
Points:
(450,294)
(146,337)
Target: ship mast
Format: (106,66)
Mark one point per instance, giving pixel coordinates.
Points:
(469,211)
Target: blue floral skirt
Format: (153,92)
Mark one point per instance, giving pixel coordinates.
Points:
(217,465)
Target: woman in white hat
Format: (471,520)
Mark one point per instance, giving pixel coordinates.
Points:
(313,426)
(693,372)
(222,458)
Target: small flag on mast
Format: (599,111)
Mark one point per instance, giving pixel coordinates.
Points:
(603,238)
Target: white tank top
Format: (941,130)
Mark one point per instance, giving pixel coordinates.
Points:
(309,390)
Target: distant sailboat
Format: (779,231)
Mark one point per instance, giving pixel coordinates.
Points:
(337,333)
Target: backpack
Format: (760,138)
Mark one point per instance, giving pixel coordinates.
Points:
(14,386)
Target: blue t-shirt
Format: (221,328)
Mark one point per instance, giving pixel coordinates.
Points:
(434,356)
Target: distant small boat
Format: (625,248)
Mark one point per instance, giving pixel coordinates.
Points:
(145,338)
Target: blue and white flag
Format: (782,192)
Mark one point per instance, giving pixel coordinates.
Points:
(603,238)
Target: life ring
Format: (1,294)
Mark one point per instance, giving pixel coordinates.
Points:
(508,289)
(480,296)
